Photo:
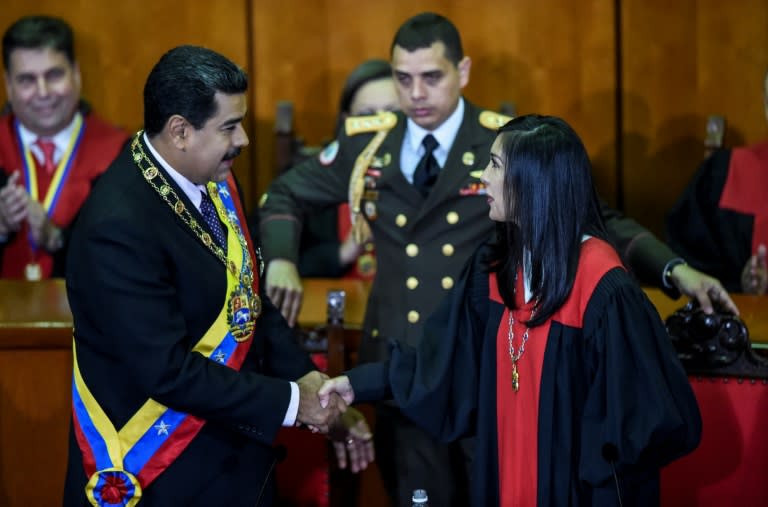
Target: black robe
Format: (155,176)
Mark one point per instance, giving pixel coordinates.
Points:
(722,216)
(614,381)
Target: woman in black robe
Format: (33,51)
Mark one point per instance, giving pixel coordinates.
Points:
(546,349)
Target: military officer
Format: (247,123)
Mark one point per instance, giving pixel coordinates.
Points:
(427,211)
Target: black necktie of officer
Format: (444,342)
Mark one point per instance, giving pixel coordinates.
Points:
(211,218)
(428,169)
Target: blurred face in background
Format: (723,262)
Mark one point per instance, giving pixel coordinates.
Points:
(428,83)
(43,89)
(374,97)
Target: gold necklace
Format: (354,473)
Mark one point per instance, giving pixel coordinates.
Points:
(515,357)
(168,194)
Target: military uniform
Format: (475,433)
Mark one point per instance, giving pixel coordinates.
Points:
(421,243)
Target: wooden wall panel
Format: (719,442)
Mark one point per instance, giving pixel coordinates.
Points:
(550,56)
(683,61)
(117,43)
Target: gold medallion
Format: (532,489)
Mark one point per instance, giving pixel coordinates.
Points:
(150,172)
(243,308)
(33,272)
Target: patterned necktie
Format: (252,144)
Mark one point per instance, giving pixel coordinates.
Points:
(211,218)
(428,169)
(48,148)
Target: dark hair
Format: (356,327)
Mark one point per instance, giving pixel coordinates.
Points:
(39,32)
(423,30)
(551,204)
(366,72)
(184,82)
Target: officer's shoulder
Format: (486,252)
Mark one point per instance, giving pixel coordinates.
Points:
(355,125)
(493,120)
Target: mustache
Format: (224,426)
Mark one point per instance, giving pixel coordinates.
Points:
(234,152)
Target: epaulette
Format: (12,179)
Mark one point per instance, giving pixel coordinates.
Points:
(373,123)
(493,120)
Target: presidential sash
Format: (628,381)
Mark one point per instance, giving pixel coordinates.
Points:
(121,463)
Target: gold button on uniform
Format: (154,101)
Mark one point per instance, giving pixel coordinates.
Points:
(413,317)
(447,249)
(412,250)
(452,217)
(374,332)
(412,282)
(401,220)
(447,282)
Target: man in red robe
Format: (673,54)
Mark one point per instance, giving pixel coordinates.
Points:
(52,148)
(720,222)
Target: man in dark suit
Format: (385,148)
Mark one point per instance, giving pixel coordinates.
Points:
(427,210)
(184,373)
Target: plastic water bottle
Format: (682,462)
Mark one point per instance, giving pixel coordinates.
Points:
(420,498)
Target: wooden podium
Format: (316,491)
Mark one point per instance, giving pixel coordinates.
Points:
(36,376)
(35,384)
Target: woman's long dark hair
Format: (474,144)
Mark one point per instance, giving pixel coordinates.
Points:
(550,204)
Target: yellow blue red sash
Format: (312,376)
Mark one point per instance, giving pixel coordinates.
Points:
(121,463)
(62,170)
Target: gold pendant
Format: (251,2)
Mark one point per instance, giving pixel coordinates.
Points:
(515,378)
(33,272)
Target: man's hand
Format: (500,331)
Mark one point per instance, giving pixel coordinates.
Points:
(13,205)
(339,385)
(754,276)
(703,288)
(352,441)
(284,288)
(311,412)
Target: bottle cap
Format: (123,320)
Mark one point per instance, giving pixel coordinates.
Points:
(419,496)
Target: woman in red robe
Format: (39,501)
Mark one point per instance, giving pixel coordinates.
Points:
(547,350)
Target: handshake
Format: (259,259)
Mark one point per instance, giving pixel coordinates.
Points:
(324,408)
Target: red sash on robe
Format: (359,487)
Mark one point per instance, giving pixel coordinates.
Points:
(746,188)
(517,413)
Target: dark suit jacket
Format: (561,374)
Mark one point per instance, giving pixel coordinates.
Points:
(143,291)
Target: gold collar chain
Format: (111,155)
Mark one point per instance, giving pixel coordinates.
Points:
(515,357)
(158,182)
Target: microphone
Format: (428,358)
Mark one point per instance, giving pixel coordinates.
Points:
(611,455)
(279,453)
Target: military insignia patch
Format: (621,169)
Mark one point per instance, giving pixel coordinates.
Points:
(328,155)
(473,189)
(370,210)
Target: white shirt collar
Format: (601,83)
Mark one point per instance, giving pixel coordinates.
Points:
(445,134)
(60,139)
(192,190)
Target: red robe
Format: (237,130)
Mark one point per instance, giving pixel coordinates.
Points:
(100,144)
(722,217)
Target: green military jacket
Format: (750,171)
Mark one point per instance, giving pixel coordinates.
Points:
(421,243)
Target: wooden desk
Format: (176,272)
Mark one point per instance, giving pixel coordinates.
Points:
(314,310)
(754,309)
(35,398)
